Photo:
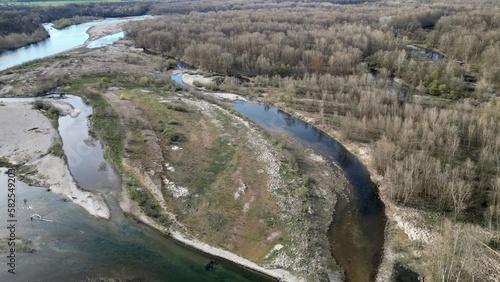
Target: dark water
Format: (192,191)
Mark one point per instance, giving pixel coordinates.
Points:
(427,53)
(402,274)
(59,41)
(357,231)
(74,245)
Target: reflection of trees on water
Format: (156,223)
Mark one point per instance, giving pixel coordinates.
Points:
(288,119)
(319,135)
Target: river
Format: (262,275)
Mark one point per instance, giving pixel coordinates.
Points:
(71,245)
(60,41)
(75,246)
(357,230)
(80,246)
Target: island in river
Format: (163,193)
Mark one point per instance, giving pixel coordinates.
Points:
(190,168)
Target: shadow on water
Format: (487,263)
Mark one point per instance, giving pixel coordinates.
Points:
(357,230)
(402,274)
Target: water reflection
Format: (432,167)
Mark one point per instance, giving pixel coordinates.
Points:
(59,41)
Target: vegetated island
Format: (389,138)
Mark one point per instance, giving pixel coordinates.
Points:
(433,148)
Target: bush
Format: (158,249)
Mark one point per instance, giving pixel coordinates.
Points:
(177,107)
(173,136)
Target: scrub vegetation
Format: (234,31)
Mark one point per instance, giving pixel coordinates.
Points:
(415,82)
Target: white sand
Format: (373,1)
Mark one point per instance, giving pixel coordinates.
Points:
(24,133)
(20,143)
(189,79)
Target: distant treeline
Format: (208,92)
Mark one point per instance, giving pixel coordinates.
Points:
(188,6)
(21,25)
(317,57)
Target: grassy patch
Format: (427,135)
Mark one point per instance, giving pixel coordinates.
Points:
(177,107)
(105,120)
(220,156)
(49,111)
(144,199)
(107,127)
(57,149)
(4,162)
(173,136)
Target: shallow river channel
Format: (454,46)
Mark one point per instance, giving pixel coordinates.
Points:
(357,231)
(75,245)
(71,245)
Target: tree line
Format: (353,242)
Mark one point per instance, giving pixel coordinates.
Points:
(318,59)
(21,25)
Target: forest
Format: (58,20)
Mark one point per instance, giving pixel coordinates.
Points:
(21,25)
(417,82)
(365,71)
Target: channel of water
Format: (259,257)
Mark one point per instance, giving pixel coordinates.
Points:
(75,246)
(357,230)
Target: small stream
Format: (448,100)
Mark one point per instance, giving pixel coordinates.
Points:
(357,230)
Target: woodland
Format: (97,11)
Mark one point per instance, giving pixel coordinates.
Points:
(364,70)
(21,25)
(416,81)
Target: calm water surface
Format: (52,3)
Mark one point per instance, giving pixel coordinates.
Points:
(59,41)
(357,230)
(72,245)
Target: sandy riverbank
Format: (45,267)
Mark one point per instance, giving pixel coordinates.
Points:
(131,207)
(26,139)
(189,79)
(102,30)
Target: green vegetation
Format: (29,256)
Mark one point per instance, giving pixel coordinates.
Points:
(106,123)
(57,149)
(48,110)
(220,155)
(4,162)
(173,136)
(144,199)
(436,143)
(177,107)
(105,120)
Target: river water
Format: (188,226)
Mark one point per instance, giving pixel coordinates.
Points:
(71,245)
(357,230)
(60,41)
(78,245)
(74,245)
